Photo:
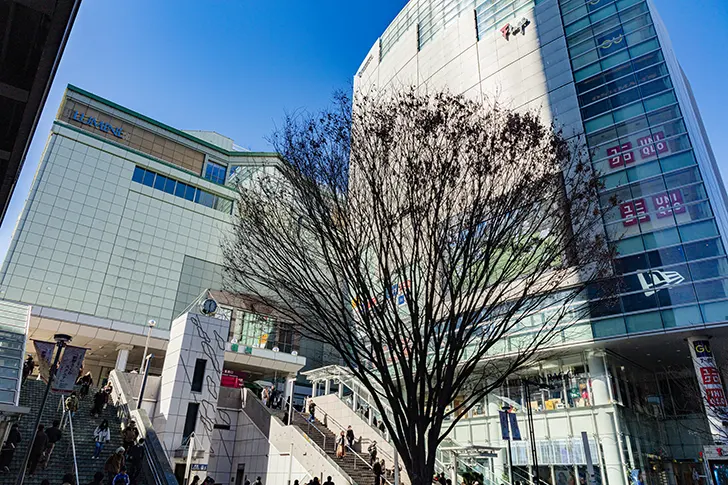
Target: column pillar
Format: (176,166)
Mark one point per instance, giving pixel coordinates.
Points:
(340,391)
(494,432)
(354,399)
(711,387)
(289,388)
(327,388)
(122,357)
(614,469)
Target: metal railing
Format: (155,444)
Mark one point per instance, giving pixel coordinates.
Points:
(366,463)
(311,425)
(156,459)
(247,394)
(73,440)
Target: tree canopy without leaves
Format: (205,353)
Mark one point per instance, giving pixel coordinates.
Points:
(418,235)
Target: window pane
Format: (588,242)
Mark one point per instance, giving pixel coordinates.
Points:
(715,312)
(138,174)
(148,178)
(683,316)
(644,322)
(190,193)
(709,269)
(638,301)
(712,290)
(180,189)
(198,375)
(609,327)
(704,249)
(677,295)
(160,182)
(169,186)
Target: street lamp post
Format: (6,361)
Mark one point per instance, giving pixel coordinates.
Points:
(61,341)
(151,324)
(147,362)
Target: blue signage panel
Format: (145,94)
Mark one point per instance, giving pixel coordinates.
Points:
(98,124)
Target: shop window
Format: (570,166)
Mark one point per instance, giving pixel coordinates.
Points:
(715,312)
(667,256)
(644,322)
(700,230)
(638,302)
(678,295)
(680,317)
(630,263)
(712,290)
(658,239)
(609,327)
(704,249)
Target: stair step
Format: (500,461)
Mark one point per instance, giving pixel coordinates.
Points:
(61,461)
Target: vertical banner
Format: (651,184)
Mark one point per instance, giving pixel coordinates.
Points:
(44,351)
(504,425)
(68,369)
(711,387)
(515,431)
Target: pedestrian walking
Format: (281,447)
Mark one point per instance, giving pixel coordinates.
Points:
(341,446)
(130,435)
(372,453)
(114,464)
(107,394)
(9,447)
(72,404)
(328,481)
(350,437)
(85,381)
(28,367)
(258,481)
(312,411)
(68,479)
(121,478)
(36,451)
(377,467)
(98,479)
(54,436)
(102,435)
(264,396)
(196,480)
(135,459)
(99,400)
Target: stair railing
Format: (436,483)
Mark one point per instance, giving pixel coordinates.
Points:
(154,453)
(312,425)
(67,414)
(368,465)
(248,409)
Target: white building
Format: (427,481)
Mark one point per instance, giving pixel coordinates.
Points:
(603,69)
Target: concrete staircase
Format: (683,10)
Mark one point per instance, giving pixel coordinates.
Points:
(357,469)
(61,461)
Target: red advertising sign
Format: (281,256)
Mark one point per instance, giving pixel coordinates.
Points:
(622,155)
(715,397)
(652,145)
(634,212)
(709,375)
(667,204)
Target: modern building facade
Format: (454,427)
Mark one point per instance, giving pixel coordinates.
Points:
(603,70)
(123,226)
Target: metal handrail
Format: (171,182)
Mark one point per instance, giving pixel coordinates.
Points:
(312,425)
(341,427)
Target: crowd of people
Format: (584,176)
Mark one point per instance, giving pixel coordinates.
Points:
(122,467)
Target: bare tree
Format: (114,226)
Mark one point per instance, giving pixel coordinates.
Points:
(420,235)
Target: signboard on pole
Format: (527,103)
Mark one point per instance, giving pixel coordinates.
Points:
(711,387)
(589,462)
(44,351)
(68,369)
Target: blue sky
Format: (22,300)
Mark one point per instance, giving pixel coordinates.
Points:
(237,66)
